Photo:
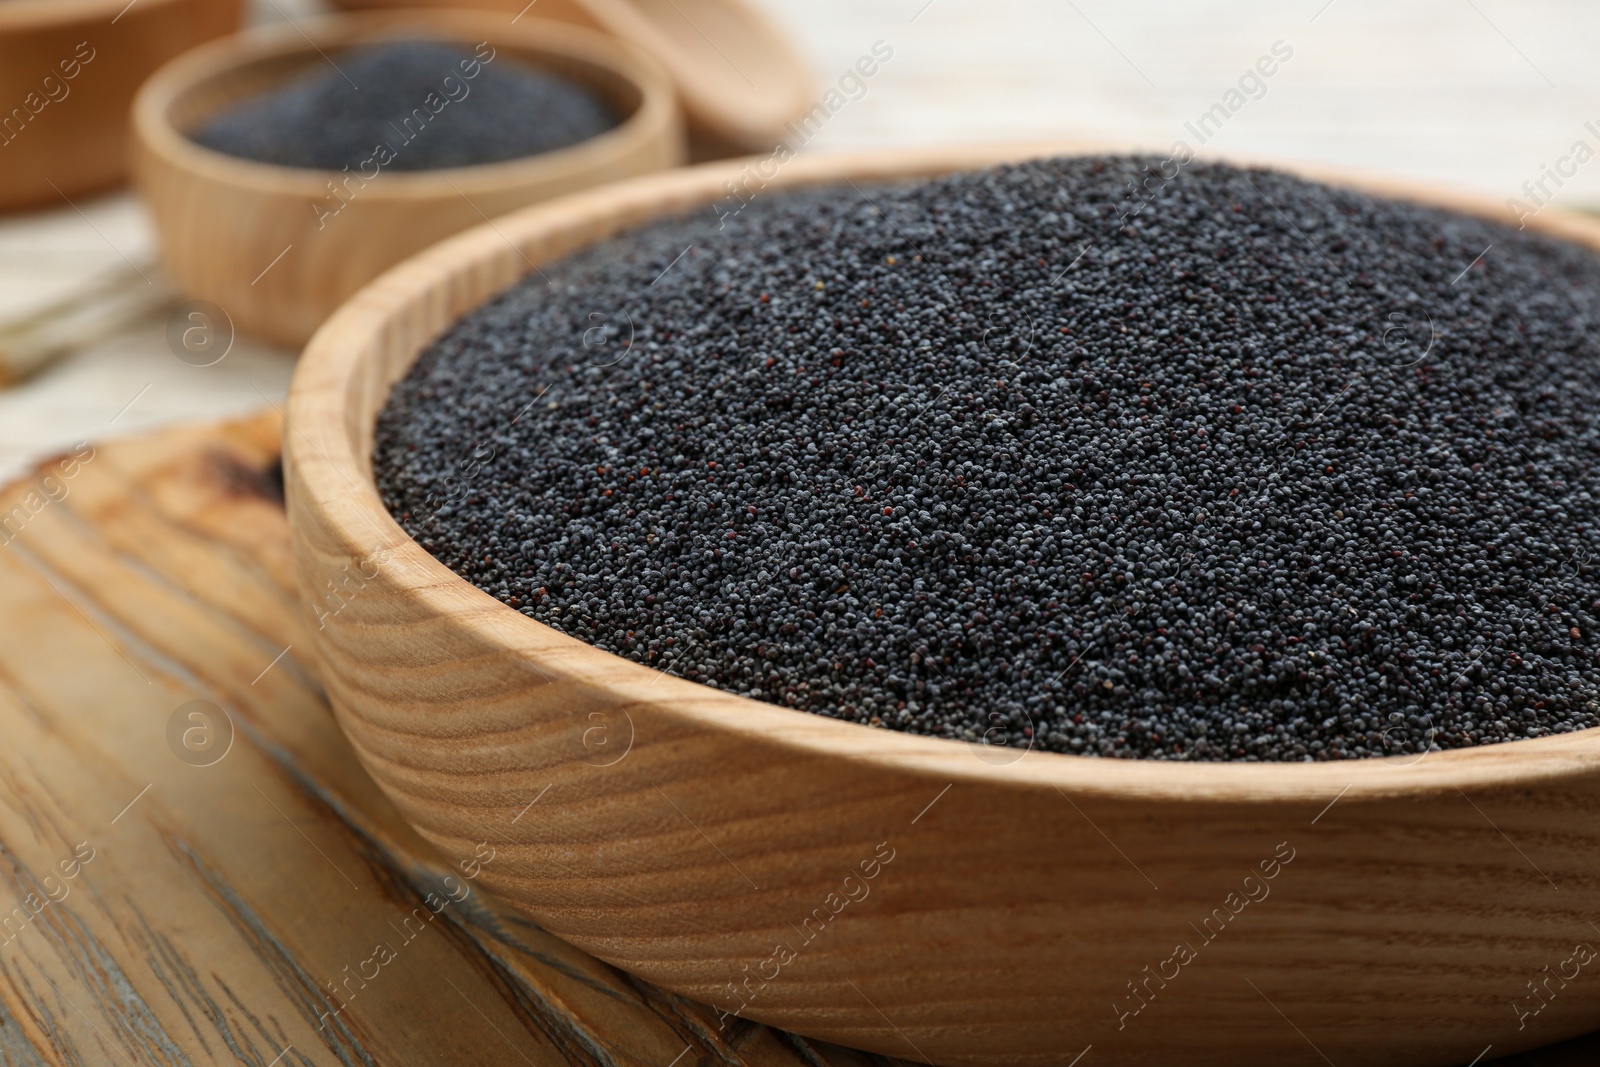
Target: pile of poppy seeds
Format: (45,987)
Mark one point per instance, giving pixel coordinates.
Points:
(1242,467)
(409,105)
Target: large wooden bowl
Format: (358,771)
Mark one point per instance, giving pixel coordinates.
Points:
(739,78)
(274,248)
(941,901)
(68,71)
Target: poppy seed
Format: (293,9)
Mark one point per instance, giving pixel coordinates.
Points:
(1238,466)
(409,106)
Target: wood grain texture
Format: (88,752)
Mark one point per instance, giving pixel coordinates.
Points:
(69,135)
(738,76)
(1034,902)
(278,248)
(223,904)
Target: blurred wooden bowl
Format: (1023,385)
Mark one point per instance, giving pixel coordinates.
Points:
(249,237)
(739,79)
(915,896)
(68,72)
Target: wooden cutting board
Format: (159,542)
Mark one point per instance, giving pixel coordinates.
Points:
(199,871)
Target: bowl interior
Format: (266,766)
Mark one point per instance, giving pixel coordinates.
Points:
(271,66)
(351,365)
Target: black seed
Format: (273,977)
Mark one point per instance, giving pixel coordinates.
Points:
(415,100)
(1255,470)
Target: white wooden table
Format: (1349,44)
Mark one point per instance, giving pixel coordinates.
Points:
(1479,93)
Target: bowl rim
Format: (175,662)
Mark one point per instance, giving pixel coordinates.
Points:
(428,292)
(152,107)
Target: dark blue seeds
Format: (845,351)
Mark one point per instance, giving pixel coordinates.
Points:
(407,106)
(1258,470)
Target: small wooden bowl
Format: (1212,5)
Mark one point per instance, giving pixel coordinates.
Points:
(914,896)
(739,79)
(69,70)
(257,239)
